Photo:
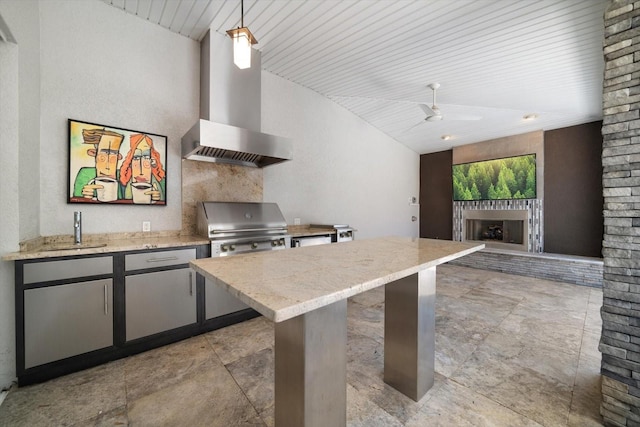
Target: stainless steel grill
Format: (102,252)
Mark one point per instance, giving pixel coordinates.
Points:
(235,228)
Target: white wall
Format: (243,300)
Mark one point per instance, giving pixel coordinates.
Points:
(88,61)
(102,65)
(9,225)
(19,142)
(22,20)
(343,170)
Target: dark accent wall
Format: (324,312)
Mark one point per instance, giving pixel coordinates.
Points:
(436,195)
(573,202)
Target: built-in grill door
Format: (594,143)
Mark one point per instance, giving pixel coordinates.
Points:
(219,302)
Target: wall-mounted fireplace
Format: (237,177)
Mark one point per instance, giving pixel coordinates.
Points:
(500,224)
(497,228)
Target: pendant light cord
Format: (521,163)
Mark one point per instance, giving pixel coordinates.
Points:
(242,13)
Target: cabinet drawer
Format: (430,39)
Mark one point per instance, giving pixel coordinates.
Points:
(158,259)
(66,269)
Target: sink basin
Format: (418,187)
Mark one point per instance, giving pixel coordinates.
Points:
(71,246)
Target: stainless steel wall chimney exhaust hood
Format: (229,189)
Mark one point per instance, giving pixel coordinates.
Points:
(214,142)
(229,127)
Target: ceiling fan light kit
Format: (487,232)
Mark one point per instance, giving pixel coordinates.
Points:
(242,41)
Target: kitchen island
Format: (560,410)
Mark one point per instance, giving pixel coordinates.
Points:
(305,290)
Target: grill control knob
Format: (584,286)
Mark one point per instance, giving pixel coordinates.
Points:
(274,243)
(232,247)
(254,245)
(223,248)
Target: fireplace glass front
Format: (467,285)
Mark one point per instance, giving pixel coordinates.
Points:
(490,230)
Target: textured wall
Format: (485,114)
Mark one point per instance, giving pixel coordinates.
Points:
(9,225)
(101,65)
(578,270)
(343,170)
(20,159)
(620,341)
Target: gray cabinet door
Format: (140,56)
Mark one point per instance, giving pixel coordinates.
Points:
(66,320)
(157,302)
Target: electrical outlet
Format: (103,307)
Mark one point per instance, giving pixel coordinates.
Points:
(146,225)
(296,221)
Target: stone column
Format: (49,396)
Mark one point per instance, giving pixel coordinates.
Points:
(620,341)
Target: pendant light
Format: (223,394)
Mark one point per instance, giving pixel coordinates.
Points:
(242,41)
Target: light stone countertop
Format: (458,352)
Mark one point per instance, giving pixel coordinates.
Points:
(56,246)
(284,284)
(62,245)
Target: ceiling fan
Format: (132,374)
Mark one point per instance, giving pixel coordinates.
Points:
(434,113)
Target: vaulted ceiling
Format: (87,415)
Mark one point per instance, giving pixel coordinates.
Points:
(495,60)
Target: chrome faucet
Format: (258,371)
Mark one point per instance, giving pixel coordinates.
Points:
(77,227)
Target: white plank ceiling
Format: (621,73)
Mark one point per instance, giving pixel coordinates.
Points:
(496,60)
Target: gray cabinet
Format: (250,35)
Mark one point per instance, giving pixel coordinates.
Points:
(64,320)
(159,301)
(79,311)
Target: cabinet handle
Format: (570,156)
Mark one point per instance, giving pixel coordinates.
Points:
(169,258)
(106,299)
(191,283)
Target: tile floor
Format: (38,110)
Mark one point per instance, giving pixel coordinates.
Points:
(510,351)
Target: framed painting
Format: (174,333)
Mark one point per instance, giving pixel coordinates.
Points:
(109,165)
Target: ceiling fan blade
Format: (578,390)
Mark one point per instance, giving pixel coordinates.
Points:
(414,126)
(427,110)
(368,98)
(460,117)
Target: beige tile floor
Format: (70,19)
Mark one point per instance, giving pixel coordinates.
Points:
(510,351)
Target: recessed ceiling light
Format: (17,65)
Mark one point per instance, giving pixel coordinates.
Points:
(531,116)
(445,137)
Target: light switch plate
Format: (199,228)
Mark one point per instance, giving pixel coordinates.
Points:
(146,225)
(296,221)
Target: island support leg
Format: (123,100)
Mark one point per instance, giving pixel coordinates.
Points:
(311,368)
(409,333)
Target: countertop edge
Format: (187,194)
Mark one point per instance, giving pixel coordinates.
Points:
(295,309)
(112,246)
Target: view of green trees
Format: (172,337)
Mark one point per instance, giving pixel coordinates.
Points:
(509,178)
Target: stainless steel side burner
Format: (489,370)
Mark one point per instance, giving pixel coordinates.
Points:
(344,233)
